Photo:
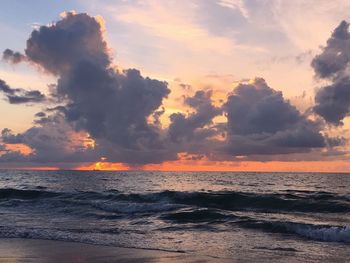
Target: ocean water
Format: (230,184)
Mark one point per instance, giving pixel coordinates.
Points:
(246,217)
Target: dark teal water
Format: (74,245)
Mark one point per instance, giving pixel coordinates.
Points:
(289,217)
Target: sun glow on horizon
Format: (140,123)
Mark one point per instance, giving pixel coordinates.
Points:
(225,166)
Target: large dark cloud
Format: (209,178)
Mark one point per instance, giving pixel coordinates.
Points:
(261,121)
(112,105)
(20,96)
(333,101)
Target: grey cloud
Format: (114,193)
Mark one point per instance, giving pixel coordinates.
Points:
(74,39)
(195,133)
(112,106)
(185,86)
(193,126)
(50,142)
(13,57)
(60,108)
(40,114)
(260,121)
(335,57)
(6,88)
(32,96)
(20,96)
(156,117)
(8,137)
(115,107)
(12,157)
(335,141)
(333,101)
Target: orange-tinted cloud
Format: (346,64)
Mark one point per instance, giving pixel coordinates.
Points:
(19,147)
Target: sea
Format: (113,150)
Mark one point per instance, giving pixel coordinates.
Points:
(238,216)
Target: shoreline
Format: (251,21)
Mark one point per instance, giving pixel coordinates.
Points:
(14,250)
(38,250)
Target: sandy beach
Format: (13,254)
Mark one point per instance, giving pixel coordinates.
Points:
(40,251)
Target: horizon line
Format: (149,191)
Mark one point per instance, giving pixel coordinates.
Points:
(140,170)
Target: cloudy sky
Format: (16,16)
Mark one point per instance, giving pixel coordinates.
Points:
(202,85)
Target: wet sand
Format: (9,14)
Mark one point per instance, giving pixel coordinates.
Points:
(48,251)
(39,251)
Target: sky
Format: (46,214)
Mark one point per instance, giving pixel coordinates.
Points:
(218,85)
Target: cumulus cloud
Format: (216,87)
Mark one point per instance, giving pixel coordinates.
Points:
(20,96)
(335,55)
(195,125)
(261,121)
(112,105)
(75,39)
(333,101)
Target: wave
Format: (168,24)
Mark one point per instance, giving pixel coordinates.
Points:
(327,233)
(10,193)
(191,210)
(323,233)
(236,201)
(74,235)
(114,201)
(200,215)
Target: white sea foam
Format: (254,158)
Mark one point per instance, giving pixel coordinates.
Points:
(326,233)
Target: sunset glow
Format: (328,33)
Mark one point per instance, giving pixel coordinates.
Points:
(175,131)
(200,86)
